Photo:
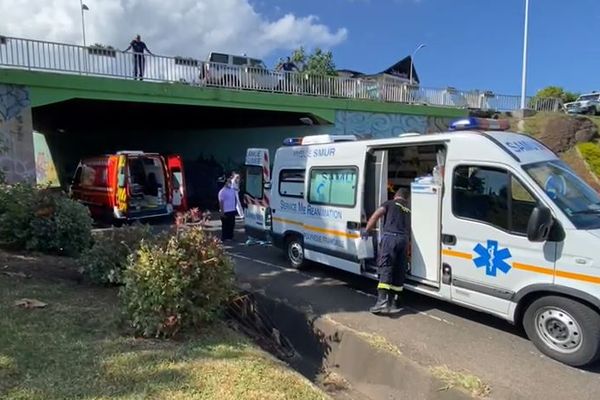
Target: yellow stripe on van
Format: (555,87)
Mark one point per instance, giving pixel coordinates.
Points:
(318,229)
(457,254)
(533,268)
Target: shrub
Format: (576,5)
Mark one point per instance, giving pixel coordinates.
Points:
(43,220)
(591,154)
(179,282)
(104,262)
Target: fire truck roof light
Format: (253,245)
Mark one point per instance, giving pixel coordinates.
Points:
(486,124)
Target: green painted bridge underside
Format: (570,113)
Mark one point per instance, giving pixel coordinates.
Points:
(47,88)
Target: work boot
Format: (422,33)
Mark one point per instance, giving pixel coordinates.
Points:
(394,302)
(381,305)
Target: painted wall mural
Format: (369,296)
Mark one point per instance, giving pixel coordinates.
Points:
(380,125)
(16,139)
(45,170)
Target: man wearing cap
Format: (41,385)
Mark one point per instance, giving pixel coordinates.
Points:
(392,256)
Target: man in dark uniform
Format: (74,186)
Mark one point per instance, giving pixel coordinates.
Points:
(139,62)
(392,256)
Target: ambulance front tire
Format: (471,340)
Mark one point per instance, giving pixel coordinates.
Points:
(564,329)
(295,251)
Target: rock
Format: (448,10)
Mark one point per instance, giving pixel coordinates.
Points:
(585,135)
(562,132)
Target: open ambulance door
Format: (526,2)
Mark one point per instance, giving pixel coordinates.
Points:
(178,195)
(257,194)
(376,190)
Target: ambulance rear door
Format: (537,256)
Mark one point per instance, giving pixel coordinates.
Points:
(177,183)
(257,193)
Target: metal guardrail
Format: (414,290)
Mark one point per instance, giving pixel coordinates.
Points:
(39,55)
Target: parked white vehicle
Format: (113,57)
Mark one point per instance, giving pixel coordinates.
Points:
(585,104)
(239,72)
(499,223)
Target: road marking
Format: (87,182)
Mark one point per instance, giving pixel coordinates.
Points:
(317,278)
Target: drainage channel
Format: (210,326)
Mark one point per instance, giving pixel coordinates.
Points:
(336,358)
(291,339)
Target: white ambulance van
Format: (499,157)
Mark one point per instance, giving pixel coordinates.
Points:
(499,223)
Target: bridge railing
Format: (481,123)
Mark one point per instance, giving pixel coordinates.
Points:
(106,61)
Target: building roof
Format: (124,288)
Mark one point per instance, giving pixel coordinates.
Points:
(400,69)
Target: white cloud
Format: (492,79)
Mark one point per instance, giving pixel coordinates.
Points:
(169,27)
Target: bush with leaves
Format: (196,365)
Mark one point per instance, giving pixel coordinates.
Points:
(104,262)
(179,282)
(43,220)
(591,154)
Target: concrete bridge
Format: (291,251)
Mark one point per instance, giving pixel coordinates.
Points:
(61,102)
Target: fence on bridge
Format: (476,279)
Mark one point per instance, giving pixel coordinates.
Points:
(39,55)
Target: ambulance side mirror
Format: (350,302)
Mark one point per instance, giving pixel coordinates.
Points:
(540,224)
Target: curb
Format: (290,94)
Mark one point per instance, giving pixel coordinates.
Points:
(378,373)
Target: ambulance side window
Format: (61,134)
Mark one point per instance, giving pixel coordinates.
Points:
(492,196)
(291,182)
(333,186)
(254,182)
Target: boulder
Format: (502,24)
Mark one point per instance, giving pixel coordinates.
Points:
(562,132)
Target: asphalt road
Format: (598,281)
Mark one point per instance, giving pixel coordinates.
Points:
(429,331)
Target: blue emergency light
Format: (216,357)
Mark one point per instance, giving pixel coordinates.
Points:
(292,141)
(480,124)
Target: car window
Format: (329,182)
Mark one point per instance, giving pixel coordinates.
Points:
(492,196)
(291,182)
(333,186)
(481,194)
(240,60)
(219,58)
(254,182)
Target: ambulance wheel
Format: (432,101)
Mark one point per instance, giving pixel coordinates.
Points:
(564,329)
(295,252)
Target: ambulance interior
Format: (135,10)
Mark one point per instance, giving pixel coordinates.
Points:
(400,167)
(147,183)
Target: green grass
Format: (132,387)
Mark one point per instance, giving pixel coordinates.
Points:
(74,348)
(454,379)
(591,154)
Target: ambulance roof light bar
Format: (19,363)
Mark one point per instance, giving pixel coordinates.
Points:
(318,139)
(484,124)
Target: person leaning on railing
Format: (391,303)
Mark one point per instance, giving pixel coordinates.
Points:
(139,63)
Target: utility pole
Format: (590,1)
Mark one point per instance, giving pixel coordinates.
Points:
(524,72)
(411,61)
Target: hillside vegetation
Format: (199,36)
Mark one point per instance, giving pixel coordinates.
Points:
(574,138)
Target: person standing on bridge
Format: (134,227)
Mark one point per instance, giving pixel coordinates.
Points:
(392,255)
(139,62)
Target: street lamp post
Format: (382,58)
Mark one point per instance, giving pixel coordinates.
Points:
(524,72)
(83,9)
(411,61)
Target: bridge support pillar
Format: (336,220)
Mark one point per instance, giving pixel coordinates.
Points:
(17,159)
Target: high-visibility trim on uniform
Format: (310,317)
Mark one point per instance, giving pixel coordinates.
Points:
(402,207)
(533,268)
(318,229)
(387,286)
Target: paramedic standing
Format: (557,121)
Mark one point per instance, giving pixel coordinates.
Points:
(392,255)
(229,206)
(139,62)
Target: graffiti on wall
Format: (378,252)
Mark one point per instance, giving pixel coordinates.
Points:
(45,169)
(16,140)
(384,125)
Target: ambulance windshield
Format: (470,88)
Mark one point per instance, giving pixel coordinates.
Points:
(575,198)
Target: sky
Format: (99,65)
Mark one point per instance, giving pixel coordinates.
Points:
(470,44)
